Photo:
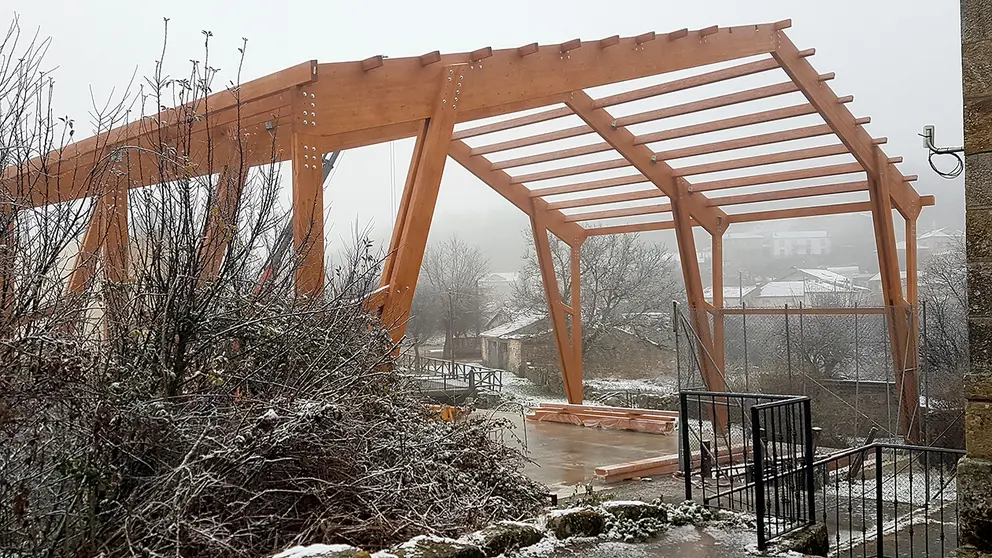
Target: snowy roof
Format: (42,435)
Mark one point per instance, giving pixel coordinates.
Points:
(516,324)
(801,234)
(845,270)
(743,235)
(501,277)
(878,276)
(942,232)
(728,291)
(799,289)
(826,276)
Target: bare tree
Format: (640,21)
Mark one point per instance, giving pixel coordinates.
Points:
(449,297)
(944,322)
(625,283)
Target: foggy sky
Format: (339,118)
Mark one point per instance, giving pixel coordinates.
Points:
(900,59)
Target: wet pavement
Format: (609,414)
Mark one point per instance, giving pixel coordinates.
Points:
(566,455)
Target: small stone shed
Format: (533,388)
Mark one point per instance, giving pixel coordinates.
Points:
(526,341)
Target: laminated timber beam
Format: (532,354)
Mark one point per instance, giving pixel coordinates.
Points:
(413,221)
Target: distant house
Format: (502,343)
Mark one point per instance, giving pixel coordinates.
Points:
(800,243)
(809,287)
(733,295)
(527,342)
(935,242)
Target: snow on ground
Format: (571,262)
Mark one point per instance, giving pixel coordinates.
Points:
(312,550)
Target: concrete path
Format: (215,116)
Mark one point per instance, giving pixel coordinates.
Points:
(680,542)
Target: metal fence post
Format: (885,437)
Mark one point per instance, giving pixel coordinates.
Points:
(686,450)
(810,484)
(759,480)
(879,546)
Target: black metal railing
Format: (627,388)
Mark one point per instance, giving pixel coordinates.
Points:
(889,500)
(446,375)
(782,438)
(717,444)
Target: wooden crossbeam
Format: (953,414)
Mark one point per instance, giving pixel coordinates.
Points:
(740,143)
(707,104)
(775,214)
(727,123)
(587,186)
(553,155)
(784,176)
(759,160)
(688,83)
(624,212)
(571,171)
(789,193)
(609,198)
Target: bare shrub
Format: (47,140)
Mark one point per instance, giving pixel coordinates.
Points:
(171,406)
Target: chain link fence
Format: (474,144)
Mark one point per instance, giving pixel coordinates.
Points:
(841,358)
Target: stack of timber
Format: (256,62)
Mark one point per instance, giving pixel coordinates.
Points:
(662,465)
(622,418)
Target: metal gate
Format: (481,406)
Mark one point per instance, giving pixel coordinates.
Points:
(755,453)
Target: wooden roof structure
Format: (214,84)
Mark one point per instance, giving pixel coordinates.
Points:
(527,122)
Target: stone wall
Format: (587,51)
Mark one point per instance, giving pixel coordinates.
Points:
(975,471)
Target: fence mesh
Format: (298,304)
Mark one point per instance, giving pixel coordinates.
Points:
(841,358)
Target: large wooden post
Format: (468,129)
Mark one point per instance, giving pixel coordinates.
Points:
(308,215)
(222,218)
(899,312)
(569,347)
(413,222)
(575,263)
(719,337)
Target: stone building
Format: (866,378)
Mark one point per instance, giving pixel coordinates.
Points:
(526,344)
(975,470)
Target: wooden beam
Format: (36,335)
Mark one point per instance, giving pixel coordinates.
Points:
(571,171)
(688,83)
(586,186)
(710,103)
(740,143)
(553,155)
(403,212)
(373,63)
(633,228)
(527,50)
(412,240)
(480,54)
(840,119)
(517,194)
(609,41)
(609,198)
(644,37)
(676,35)
(511,123)
(84,268)
(790,193)
(707,31)
(719,340)
(900,312)
(575,300)
(432,57)
(623,212)
(569,46)
(817,211)
(760,160)
(532,140)
(640,157)
(727,123)
(784,176)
